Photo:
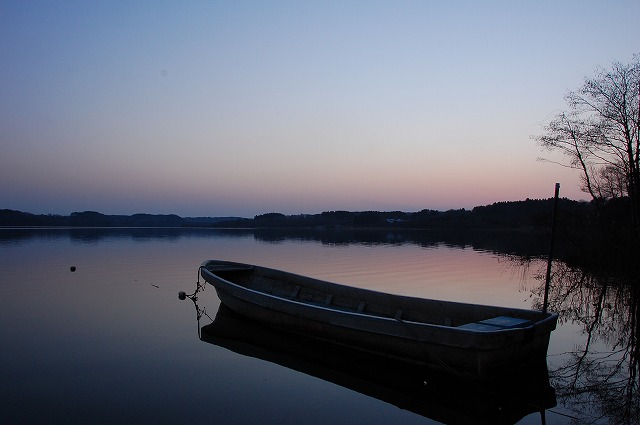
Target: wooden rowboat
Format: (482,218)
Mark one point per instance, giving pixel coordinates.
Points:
(469,339)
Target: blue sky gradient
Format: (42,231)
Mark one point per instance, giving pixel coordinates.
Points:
(244,107)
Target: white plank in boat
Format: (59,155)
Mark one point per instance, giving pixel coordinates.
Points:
(479,327)
(496,323)
(506,322)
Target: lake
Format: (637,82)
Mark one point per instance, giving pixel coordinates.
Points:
(111,342)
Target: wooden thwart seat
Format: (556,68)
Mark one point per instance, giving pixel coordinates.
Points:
(295,293)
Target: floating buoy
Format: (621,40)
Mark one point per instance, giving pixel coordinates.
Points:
(72,268)
(182,295)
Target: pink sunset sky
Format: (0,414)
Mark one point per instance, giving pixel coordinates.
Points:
(239,108)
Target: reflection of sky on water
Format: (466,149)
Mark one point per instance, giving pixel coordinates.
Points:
(112,340)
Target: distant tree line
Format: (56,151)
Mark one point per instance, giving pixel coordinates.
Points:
(530,213)
(610,218)
(517,214)
(96,219)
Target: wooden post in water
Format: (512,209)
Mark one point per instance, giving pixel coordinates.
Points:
(547,283)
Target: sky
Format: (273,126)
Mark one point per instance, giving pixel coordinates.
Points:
(238,108)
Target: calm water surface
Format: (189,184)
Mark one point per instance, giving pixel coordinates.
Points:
(111,342)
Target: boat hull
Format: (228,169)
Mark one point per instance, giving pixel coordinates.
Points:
(467,349)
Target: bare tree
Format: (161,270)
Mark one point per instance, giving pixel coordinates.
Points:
(599,134)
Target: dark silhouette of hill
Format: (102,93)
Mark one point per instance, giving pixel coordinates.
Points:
(96,219)
(531,213)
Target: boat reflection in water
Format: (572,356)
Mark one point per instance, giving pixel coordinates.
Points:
(447,398)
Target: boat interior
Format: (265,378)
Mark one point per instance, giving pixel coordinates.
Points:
(366,302)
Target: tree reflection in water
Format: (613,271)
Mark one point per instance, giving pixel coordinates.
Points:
(597,380)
